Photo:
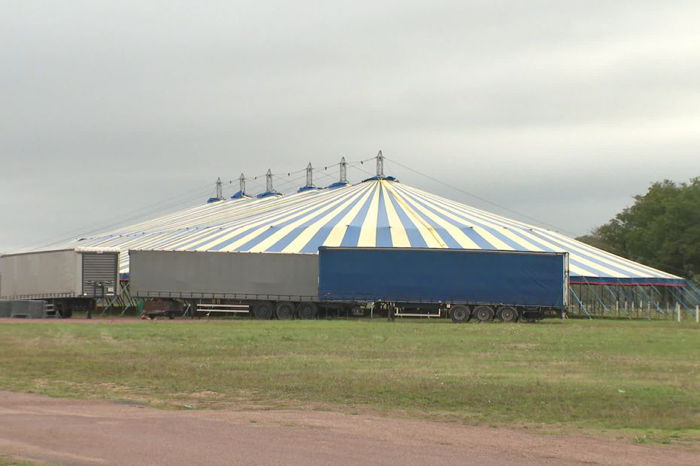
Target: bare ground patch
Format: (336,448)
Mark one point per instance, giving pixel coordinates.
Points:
(63,431)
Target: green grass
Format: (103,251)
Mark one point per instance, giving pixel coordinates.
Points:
(7,461)
(642,377)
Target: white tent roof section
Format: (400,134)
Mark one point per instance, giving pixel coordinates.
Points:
(379,212)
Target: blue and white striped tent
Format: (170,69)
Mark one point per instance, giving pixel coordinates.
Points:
(378,212)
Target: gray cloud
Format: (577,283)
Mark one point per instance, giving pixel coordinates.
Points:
(558,110)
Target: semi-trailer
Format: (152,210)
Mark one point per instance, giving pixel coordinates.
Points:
(67,279)
(508,285)
(265,285)
(464,283)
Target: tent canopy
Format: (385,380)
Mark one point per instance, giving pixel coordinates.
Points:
(379,212)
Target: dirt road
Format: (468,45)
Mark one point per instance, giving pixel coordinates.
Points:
(64,431)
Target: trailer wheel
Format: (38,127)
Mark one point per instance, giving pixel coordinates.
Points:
(459,314)
(508,314)
(483,313)
(285,310)
(263,310)
(307,310)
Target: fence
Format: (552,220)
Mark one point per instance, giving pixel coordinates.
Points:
(635,301)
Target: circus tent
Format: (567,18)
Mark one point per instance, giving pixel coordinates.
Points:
(378,212)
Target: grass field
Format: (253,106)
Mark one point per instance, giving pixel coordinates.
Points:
(633,376)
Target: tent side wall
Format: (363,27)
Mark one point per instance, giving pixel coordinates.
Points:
(634,301)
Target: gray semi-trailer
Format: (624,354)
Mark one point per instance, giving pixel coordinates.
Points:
(267,285)
(69,279)
(508,285)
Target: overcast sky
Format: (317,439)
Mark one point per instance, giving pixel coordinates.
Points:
(558,110)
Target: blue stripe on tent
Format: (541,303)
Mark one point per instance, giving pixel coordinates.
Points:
(489,228)
(593,255)
(352,234)
(383,227)
(442,233)
(573,262)
(279,225)
(506,239)
(118,241)
(531,241)
(292,235)
(271,216)
(414,237)
(517,246)
(469,232)
(589,254)
(467,213)
(588,257)
(215,236)
(172,242)
(322,234)
(233,239)
(246,220)
(174,239)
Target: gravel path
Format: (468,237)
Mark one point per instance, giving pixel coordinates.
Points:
(62,431)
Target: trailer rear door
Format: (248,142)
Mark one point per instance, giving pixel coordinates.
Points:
(100,274)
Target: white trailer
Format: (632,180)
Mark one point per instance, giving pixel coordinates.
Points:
(68,278)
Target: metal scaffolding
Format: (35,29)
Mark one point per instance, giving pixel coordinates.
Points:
(634,301)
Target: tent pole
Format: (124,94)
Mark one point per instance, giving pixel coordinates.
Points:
(580,303)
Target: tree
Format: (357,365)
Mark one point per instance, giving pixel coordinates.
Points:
(661,229)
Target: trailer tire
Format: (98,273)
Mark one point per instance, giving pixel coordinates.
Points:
(284,310)
(307,310)
(483,313)
(263,310)
(507,314)
(459,314)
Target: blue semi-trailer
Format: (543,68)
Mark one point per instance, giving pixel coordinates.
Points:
(508,285)
(464,284)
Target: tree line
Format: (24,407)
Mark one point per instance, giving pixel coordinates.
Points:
(661,229)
